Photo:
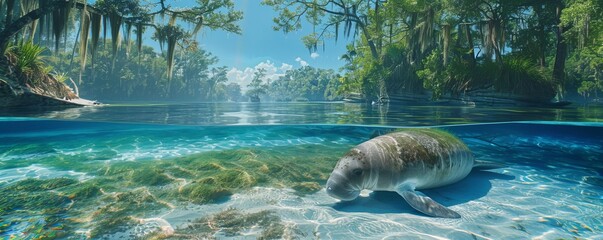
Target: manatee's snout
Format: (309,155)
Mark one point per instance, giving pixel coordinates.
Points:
(339,187)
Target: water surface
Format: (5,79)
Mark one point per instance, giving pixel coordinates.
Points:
(311,113)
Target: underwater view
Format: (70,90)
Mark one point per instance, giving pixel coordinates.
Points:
(299,119)
(265,178)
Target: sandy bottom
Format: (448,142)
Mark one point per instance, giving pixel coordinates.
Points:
(500,204)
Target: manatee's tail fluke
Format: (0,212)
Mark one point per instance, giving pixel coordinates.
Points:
(487,165)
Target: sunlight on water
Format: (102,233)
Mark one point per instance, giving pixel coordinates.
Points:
(133,180)
(208,114)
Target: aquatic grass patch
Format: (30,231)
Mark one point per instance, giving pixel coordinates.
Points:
(117,193)
(38,207)
(118,210)
(206,178)
(233,222)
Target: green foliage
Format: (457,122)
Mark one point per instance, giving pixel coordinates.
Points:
(141,75)
(434,75)
(233,92)
(451,47)
(27,56)
(305,84)
(584,21)
(215,84)
(328,18)
(311,42)
(215,15)
(28,61)
(364,74)
(61,77)
(589,88)
(125,8)
(585,71)
(371,75)
(257,86)
(521,76)
(518,75)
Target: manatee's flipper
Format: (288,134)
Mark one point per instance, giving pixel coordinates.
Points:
(426,205)
(487,165)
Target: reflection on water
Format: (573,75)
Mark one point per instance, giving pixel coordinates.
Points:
(310,113)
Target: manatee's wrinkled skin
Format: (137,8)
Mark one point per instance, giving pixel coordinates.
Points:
(401,161)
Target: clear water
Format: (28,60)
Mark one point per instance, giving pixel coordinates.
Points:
(240,172)
(310,113)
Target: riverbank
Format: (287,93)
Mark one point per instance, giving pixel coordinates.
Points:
(48,92)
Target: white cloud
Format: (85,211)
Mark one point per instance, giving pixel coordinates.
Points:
(241,77)
(301,62)
(244,77)
(286,67)
(314,55)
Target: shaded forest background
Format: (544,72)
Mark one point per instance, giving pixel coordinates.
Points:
(535,49)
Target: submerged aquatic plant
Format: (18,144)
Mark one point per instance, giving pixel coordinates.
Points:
(232,222)
(39,203)
(119,193)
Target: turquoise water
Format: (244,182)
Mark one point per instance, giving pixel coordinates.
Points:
(262,175)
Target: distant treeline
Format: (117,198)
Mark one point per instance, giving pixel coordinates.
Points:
(142,76)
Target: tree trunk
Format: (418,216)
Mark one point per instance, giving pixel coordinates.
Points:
(540,35)
(560,55)
(471,52)
(371,43)
(382,86)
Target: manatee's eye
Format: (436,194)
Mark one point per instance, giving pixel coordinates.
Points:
(357,171)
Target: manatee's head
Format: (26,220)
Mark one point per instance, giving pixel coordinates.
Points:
(348,177)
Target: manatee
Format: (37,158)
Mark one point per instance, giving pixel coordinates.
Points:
(404,162)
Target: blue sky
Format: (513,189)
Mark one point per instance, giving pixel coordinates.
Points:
(259,42)
(259,46)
